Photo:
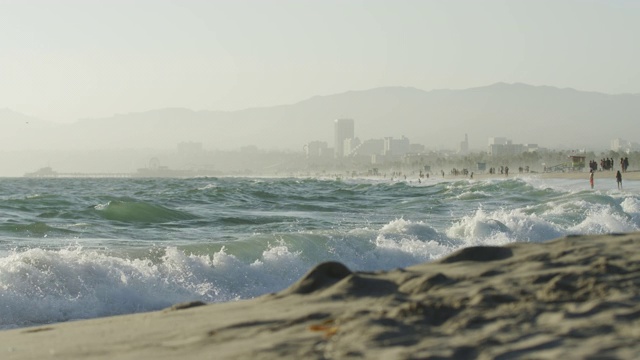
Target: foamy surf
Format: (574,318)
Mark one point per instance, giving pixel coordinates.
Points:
(81,249)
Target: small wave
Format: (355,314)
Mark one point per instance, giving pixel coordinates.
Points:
(132,211)
(36,229)
(403,228)
(208,187)
(503,226)
(473,195)
(399,243)
(254,220)
(604,219)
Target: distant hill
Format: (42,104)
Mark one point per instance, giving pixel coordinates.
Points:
(19,131)
(549,116)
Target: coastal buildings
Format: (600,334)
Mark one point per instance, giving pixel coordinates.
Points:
(622,145)
(317,149)
(396,147)
(501,146)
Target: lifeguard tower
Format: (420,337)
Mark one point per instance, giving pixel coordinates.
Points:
(577,162)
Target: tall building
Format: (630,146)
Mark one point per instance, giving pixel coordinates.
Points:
(343,130)
(463,149)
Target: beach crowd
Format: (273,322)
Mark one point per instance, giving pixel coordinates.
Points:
(608,163)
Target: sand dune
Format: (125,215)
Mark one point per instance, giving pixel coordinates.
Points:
(576,297)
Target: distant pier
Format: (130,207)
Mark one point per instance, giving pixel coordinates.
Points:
(161,172)
(48,172)
(91,175)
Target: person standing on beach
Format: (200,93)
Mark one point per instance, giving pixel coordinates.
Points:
(626,163)
(619,179)
(591,178)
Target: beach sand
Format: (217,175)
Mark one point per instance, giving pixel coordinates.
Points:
(575,297)
(601,177)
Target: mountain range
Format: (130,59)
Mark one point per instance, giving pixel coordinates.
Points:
(439,119)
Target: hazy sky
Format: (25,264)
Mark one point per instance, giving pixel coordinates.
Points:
(65,60)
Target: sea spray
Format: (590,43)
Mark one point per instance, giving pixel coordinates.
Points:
(83,248)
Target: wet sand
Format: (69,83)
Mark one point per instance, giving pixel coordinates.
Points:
(575,297)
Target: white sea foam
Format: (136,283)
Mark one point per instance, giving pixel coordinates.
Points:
(102,207)
(605,219)
(402,242)
(168,256)
(41,286)
(207,187)
(502,227)
(631,205)
(469,195)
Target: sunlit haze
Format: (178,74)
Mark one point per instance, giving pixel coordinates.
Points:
(103,87)
(67,60)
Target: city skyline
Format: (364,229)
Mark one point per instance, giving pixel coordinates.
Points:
(548,116)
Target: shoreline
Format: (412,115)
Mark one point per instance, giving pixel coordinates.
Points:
(574,297)
(574,175)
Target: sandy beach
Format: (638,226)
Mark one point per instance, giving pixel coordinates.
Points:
(575,297)
(606,176)
(602,175)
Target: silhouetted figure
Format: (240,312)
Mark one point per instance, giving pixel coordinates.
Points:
(626,163)
(591,178)
(619,179)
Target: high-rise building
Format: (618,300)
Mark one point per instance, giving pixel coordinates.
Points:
(343,130)
(463,149)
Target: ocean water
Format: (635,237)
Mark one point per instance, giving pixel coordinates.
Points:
(83,248)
